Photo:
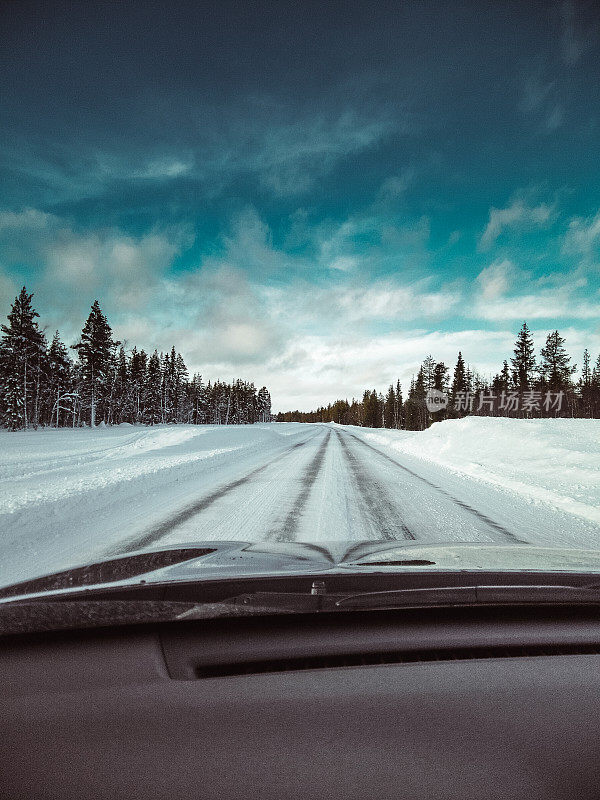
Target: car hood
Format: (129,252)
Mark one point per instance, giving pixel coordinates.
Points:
(242,558)
(210,560)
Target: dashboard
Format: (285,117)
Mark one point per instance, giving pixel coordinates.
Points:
(434,703)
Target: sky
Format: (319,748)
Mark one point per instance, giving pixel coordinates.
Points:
(313,196)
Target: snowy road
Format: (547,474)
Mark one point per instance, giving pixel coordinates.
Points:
(69,497)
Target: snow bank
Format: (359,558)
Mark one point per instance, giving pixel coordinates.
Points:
(50,465)
(552,461)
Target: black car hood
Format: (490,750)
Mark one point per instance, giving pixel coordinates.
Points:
(214,560)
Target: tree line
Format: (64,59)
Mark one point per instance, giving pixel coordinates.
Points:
(529,386)
(42,385)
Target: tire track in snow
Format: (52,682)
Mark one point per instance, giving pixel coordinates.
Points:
(376,501)
(496,526)
(163,529)
(289,527)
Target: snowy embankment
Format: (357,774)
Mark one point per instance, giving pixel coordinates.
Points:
(67,495)
(51,465)
(550,461)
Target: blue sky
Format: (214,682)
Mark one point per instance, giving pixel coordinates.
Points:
(314,195)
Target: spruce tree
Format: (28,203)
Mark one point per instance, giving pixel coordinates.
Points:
(23,346)
(523,361)
(585,386)
(152,399)
(399,407)
(264,406)
(440,377)
(95,350)
(59,381)
(390,409)
(440,384)
(459,382)
(555,367)
(180,379)
(595,393)
(137,376)
(120,396)
(428,370)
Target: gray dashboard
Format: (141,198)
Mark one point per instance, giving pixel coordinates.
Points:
(133,714)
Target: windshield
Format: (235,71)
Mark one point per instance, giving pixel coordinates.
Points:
(298,289)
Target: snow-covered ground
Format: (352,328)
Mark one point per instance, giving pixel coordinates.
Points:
(68,497)
(554,461)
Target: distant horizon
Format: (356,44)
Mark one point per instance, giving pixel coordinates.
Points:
(539,338)
(314,197)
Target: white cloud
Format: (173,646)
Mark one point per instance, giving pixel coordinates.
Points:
(555,118)
(496,279)
(505,292)
(249,247)
(583,236)
(331,368)
(165,168)
(365,240)
(535,93)
(395,187)
(518,215)
(160,167)
(387,300)
(30,219)
(289,156)
(545,304)
(344,263)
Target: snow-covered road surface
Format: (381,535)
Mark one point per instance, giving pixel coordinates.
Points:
(70,497)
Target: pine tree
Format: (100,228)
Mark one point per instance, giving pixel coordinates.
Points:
(586,372)
(440,384)
(137,377)
(459,382)
(120,397)
(505,377)
(180,380)
(595,393)
(428,370)
(440,377)
(555,367)
(415,410)
(390,409)
(523,362)
(95,350)
(199,400)
(371,410)
(264,405)
(152,393)
(585,386)
(59,383)
(23,347)
(399,407)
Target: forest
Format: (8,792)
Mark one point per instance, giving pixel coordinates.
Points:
(529,386)
(41,384)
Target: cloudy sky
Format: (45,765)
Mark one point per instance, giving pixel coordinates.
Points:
(311,195)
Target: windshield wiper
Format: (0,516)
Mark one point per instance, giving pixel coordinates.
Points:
(318,601)
(471,595)
(20,615)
